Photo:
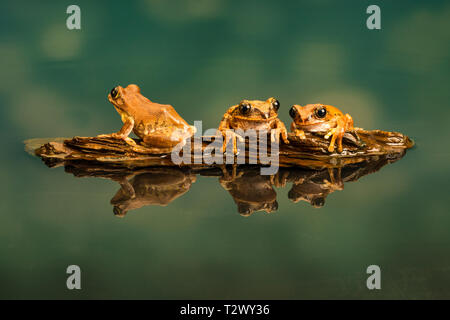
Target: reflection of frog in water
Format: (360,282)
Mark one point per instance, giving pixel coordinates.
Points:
(155,186)
(251,191)
(314,186)
(321,118)
(158,125)
(252,114)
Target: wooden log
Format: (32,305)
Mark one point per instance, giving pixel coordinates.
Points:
(311,152)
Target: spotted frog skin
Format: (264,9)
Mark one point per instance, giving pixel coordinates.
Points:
(321,118)
(158,125)
(252,114)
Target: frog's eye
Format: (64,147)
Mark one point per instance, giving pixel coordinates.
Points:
(292,112)
(244,108)
(321,112)
(114,93)
(318,202)
(276,104)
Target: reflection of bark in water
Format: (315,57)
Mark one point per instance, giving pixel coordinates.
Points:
(149,177)
(250,191)
(313,186)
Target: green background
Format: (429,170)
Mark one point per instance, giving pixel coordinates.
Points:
(203,56)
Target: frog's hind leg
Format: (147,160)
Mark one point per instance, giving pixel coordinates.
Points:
(161,141)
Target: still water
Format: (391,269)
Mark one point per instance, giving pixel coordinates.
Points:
(193,241)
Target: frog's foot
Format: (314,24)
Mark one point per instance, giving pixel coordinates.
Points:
(104,135)
(300,133)
(231,135)
(130,141)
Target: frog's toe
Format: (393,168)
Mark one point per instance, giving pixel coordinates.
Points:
(300,134)
(130,141)
(331,147)
(284,137)
(330,133)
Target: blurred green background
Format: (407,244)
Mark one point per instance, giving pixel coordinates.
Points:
(203,56)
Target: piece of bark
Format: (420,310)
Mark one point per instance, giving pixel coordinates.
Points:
(311,152)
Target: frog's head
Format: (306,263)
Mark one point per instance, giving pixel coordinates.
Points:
(316,200)
(257,110)
(125,99)
(313,114)
(248,208)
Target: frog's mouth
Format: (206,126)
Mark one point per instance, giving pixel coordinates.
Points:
(116,105)
(265,118)
(314,127)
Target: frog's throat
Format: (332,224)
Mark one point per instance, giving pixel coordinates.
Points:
(257,119)
(123,115)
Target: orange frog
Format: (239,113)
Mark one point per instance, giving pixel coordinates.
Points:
(321,118)
(158,125)
(252,114)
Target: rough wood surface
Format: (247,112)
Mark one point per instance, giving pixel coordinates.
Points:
(310,152)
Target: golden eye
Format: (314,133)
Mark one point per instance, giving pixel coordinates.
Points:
(276,104)
(321,112)
(114,93)
(244,108)
(292,112)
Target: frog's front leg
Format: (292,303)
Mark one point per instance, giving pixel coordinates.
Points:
(297,132)
(226,177)
(227,132)
(335,182)
(333,134)
(280,130)
(343,124)
(123,133)
(127,188)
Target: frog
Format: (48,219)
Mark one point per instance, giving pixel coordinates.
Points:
(157,125)
(252,114)
(321,118)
